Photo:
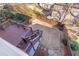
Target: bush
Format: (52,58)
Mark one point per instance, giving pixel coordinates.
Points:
(8,14)
(21,17)
(74,46)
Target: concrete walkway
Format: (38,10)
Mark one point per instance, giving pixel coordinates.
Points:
(51,39)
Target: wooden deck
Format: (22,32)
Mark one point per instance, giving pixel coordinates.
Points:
(13,34)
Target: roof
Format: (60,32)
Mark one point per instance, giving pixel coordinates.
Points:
(7,49)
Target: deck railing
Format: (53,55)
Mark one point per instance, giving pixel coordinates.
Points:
(30,41)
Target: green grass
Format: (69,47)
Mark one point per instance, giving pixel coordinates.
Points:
(41,8)
(27,11)
(37,6)
(36,13)
(33,12)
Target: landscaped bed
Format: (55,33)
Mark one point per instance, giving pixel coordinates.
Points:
(74,43)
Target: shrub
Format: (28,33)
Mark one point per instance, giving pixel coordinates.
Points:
(8,14)
(21,17)
(74,45)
